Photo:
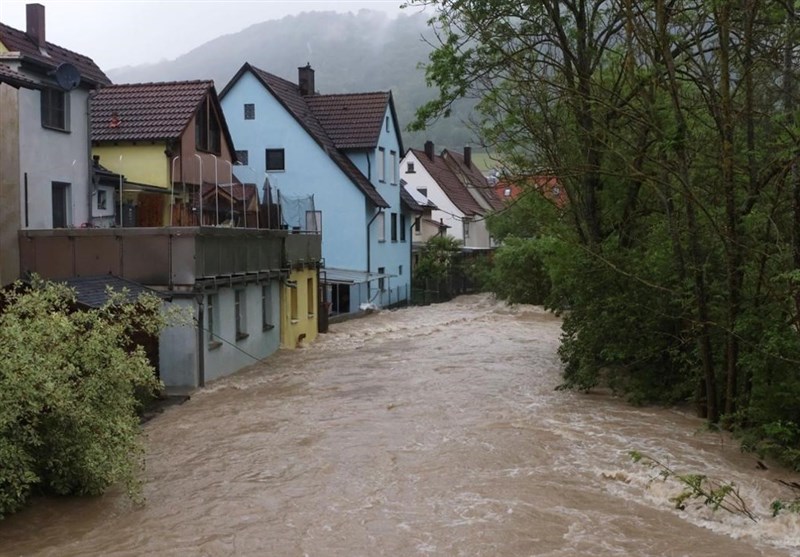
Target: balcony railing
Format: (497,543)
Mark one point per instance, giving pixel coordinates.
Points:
(172,257)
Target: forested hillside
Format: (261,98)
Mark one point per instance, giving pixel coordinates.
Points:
(366,51)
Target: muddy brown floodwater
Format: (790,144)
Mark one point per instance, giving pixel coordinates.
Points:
(424,431)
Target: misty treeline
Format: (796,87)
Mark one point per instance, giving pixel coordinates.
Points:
(350,53)
(672,127)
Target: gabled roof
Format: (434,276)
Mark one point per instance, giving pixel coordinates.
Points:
(410,202)
(449,182)
(16,79)
(288,95)
(352,121)
(18,41)
(473,178)
(150,111)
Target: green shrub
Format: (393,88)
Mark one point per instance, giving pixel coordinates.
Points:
(68,422)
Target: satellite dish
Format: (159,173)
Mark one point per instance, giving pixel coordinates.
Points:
(67,76)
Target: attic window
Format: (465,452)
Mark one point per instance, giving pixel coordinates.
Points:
(410,168)
(275,159)
(249,111)
(207,130)
(387,123)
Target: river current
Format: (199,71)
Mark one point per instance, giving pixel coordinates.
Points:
(424,431)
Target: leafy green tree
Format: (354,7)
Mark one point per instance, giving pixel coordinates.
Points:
(68,383)
(672,127)
(438,260)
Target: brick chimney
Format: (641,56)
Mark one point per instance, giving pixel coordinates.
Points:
(305,79)
(34,15)
(429,149)
(467,155)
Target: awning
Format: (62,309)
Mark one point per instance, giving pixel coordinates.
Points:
(347,276)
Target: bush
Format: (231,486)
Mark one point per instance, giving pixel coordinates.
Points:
(68,422)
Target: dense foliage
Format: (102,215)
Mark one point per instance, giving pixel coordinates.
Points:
(673,129)
(68,383)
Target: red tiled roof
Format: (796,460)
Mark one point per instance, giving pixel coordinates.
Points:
(473,178)
(288,94)
(16,79)
(18,41)
(145,111)
(450,183)
(352,121)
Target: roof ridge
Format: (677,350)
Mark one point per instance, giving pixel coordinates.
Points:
(151,83)
(362,93)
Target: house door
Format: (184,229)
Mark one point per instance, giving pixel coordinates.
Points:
(60,204)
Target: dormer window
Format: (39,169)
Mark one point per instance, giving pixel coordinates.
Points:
(55,109)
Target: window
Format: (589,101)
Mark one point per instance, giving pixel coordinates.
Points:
(380,224)
(387,123)
(240,312)
(61,205)
(395,169)
(393,221)
(418,225)
(266,308)
(293,296)
(381,164)
(55,109)
(381,280)
(102,200)
(314,221)
(310,296)
(206,128)
(275,160)
(402,228)
(249,111)
(211,319)
(243,157)
(400,270)
(466,228)
(410,168)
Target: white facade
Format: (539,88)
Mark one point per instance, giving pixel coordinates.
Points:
(419,180)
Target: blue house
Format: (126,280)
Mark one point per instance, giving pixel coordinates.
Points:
(344,151)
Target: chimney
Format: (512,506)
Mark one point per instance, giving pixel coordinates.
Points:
(467,155)
(305,79)
(429,149)
(34,14)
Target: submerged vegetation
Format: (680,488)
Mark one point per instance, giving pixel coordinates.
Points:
(672,129)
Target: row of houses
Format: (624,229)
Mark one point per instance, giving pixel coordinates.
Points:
(264,208)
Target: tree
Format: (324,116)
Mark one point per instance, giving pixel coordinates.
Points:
(672,128)
(68,385)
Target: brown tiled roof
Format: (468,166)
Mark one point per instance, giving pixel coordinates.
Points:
(18,41)
(16,79)
(473,178)
(288,94)
(450,183)
(145,111)
(352,121)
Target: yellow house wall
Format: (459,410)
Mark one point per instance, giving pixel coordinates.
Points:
(306,323)
(140,163)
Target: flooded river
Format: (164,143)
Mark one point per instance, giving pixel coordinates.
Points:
(425,431)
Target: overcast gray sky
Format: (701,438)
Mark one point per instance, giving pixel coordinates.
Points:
(117,33)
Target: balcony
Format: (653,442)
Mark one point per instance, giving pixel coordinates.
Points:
(171,257)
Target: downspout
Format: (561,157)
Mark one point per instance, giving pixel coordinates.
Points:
(91,175)
(369,167)
(380,210)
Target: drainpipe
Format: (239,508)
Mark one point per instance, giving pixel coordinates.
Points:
(375,216)
(369,167)
(90,176)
